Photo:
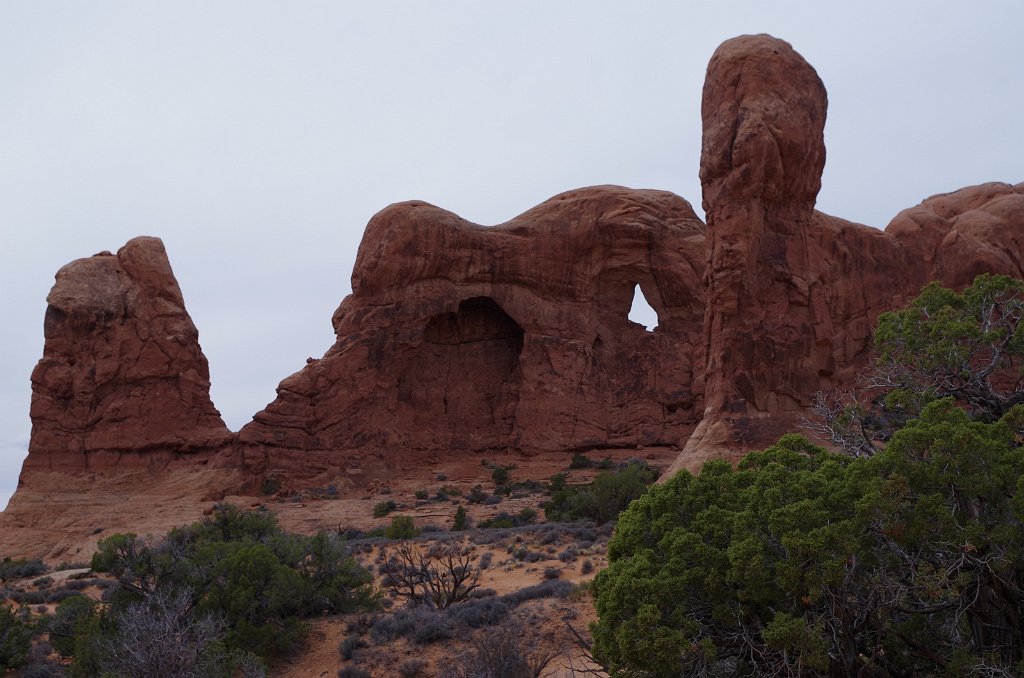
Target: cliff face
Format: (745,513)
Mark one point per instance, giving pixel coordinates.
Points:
(460,339)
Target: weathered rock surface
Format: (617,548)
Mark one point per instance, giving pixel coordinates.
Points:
(514,339)
(793,294)
(123,381)
(462,338)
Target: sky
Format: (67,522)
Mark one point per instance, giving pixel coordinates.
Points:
(257,138)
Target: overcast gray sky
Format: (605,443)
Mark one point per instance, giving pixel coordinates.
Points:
(257,138)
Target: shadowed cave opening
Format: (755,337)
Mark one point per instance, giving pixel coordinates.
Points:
(478,319)
(641,312)
(464,378)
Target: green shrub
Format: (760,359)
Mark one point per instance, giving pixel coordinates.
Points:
(15,640)
(238,566)
(67,622)
(755,567)
(580,461)
(461,521)
(401,527)
(421,495)
(381,509)
(501,476)
(604,498)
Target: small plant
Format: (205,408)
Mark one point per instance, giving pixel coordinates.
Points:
(349,645)
(557,482)
(381,509)
(587,566)
(401,527)
(502,520)
(422,494)
(502,651)
(552,573)
(270,486)
(411,667)
(438,580)
(501,476)
(17,569)
(580,460)
(461,520)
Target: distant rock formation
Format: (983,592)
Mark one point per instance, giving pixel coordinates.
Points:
(462,339)
(122,381)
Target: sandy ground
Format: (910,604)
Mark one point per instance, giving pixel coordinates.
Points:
(62,516)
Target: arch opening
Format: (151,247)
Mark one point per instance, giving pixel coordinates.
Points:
(641,312)
(462,384)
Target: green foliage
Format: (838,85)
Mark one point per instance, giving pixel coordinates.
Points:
(526,516)
(604,498)
(239,567)
(261,598)
(581,461)
(382,508)
(501,521)
(967,346)
(15,640)
(401,527)
(339,584)
(501,476)
(90,633)
(68,622)
(799,561)
(461,521)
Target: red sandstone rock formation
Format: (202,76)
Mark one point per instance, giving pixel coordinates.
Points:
(793,294)
(122,381)
(515,338)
